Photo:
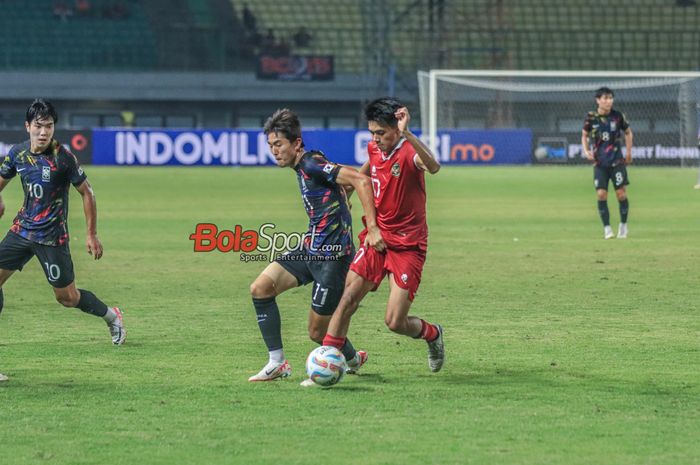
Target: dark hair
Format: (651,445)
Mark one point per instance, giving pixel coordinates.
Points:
(41,109)
(286,122)
(604,91)
(382,111)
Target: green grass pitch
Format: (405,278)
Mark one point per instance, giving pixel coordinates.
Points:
(562,348)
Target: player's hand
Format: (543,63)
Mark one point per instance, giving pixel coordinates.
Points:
(403,118)
(374,239)
(94,246)
(628,161)
(589,156)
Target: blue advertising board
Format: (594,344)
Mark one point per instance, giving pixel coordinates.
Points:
(249,147)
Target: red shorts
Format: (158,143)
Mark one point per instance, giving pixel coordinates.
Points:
(405,265)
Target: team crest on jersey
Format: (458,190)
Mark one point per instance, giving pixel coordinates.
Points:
(404,278)
(396,170)
(328,168)
(374,170)
(46,173)
(613,125)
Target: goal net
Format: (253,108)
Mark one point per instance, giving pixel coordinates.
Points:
(662,109)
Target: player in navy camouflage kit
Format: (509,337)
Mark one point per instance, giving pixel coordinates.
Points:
(46,170)
(327,249)
(605,127)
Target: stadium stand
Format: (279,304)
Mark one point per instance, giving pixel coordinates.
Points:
(72,41)
(336,28)
(365,36)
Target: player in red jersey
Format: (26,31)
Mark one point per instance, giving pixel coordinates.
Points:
(396,165)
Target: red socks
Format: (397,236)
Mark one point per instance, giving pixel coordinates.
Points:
(337,342)
(428,332)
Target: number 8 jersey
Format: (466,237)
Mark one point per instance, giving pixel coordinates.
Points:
(606,133)
(45,181)
(399,196)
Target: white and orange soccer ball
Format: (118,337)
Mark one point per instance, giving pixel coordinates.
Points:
(326,366)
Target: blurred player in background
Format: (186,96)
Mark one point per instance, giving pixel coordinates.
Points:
(605,128)
(327,250)
(46,170)
(697,186)
(397,162)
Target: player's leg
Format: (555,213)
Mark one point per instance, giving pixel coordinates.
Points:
(620,181)
(405,271)
(601,178)
(399,321)
(366,272)
(58,268)
(4,276)
(356,288)
(272,281)
(326,292)
(15,252)
(86,301)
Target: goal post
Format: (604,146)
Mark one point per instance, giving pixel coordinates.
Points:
(662,108)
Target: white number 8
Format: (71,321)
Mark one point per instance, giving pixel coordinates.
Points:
(618,178)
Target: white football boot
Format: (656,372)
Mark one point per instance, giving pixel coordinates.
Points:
(272,371)
(436,352)
(622,231)
(357,362)
(608,233)
(3,378)
(116,328)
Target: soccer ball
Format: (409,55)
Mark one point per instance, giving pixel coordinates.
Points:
(541,153)
(326,366)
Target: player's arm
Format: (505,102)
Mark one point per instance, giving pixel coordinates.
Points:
(426,159)
(629,138)
(3,182)
(584,145)
(363,185)
(94,246)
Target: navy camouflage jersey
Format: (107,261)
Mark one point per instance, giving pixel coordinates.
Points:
(46,178)
(330,223)
(606,133)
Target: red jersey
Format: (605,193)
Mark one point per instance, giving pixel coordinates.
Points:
(399,196)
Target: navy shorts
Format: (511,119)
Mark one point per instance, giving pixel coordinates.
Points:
(603,174)
(328,276)
(16,251)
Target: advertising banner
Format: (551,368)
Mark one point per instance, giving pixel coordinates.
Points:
(296,67)
(249,148)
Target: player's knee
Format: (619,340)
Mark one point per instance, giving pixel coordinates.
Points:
(261,289)
(68,300)
(316,335)
(621,196)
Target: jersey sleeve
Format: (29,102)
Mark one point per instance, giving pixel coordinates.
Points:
(74,172)
(319,168)
(8,169)
(587,123)
(624,124)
